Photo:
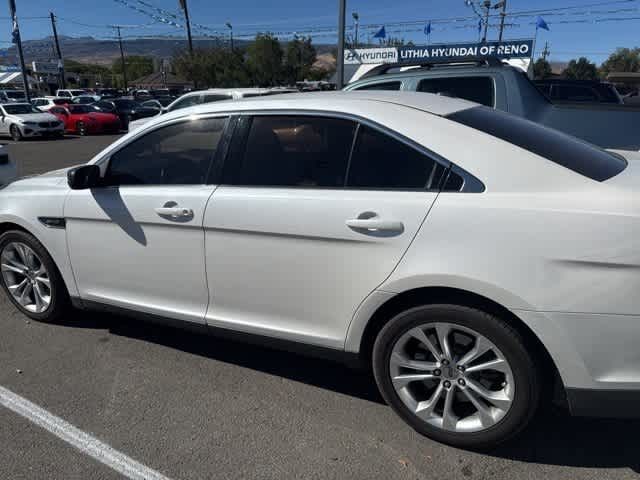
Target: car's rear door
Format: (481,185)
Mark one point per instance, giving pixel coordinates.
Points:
(314,212)
(137,242)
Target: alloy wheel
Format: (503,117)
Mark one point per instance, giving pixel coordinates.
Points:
(15,133)
(451,377)
(26,277)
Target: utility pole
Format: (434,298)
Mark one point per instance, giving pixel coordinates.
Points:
(503,14)
(546,51)
(185,9)
(124,65)
(18,41)
(487,6)
(230,27)
(356,21)
(63,81)
(340,60)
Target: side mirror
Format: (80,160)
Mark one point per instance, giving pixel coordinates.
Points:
(83,177)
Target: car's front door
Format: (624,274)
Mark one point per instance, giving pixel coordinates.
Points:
(137,242)
(313,214)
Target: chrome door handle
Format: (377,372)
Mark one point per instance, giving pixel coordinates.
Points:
(376,224)
(174,212)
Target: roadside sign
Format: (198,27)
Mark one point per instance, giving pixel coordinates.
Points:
(45,67)
(509,49)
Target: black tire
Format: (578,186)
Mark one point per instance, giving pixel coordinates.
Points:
(16,134)
(526,375)
(81,128)
(59,295)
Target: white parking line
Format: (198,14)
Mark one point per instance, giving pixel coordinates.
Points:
(82,441)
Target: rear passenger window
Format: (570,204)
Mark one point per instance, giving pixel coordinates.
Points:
(475,89)
(214,98)
(381,86)
(380,161)
(296,151)
(178,154)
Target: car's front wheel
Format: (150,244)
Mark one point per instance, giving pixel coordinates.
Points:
(30,278)
(16,134)
(457,374)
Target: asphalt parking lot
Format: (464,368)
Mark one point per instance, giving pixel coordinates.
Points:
(197,407)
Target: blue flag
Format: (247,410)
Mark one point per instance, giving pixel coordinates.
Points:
(427,29)
(382,33)
(540,23)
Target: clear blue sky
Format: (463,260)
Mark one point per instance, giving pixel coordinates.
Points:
(593,40)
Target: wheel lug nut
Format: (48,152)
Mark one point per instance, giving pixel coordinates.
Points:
(437,372)
(445,362)
(461,368)
(461,382)
(447,384)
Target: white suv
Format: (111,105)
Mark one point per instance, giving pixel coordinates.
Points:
(470,257)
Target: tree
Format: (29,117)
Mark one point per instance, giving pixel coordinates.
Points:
(541,69)
(213,67)
(299,59)
(264,60)
(137,66)
(581,69)
(622,60)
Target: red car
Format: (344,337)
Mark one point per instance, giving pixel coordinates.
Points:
(85,119)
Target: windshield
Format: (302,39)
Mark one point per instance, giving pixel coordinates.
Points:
(18,94)
(20,109)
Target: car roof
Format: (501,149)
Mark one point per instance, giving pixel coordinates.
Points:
(430,103)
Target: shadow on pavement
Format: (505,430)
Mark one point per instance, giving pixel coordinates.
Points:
(553,438)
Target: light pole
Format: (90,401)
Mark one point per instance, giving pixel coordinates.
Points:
(503,14)
(356,21)
(230,27)
(340,60)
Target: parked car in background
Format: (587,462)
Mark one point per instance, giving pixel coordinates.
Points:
(206,96)
(45,103)
(578,91)
(126,110)
(86,120)
(494,84)
(342,222)
(12,96)
(85,99)
(109,93)
(23,120)
(70,93)
(8,168)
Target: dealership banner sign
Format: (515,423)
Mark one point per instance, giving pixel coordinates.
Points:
(446,51)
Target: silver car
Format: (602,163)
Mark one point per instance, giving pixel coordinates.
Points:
(22,120)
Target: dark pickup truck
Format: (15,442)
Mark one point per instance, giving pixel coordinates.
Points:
(495,84)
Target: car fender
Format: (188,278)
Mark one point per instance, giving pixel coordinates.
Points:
(54,240)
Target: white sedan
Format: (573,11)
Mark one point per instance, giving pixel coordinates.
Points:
(23,120)
(469,257)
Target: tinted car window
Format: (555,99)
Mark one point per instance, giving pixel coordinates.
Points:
(186,102)
(296,151)
(475,89)
(178,154)
(381,161)
(215,98)
(565,150)
(381,86)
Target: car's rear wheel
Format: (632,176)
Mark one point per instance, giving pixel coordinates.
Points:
(456,374)
(16,134)
(81,127)
(30,278)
